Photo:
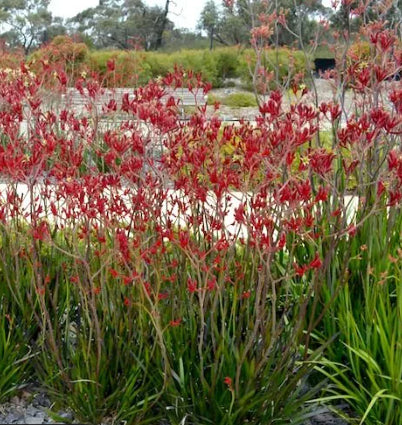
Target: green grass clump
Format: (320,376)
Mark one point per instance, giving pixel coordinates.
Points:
(240,100)
(234,100)
(365,364)
(13,353)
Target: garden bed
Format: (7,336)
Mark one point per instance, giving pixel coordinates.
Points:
(224,280)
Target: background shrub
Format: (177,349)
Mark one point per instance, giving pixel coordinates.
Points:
(133,68)
(61,54)
(130,68)
(239,100)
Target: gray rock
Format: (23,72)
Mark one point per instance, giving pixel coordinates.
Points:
(14,418)
(66,415)
(327,418)
(41,400)
(31,410)
(32,420)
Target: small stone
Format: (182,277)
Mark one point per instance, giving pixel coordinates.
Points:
(26,395)
(41,400)
(13,418)
(65,415)
(32,411)
(32,420)
(327,418)
(16,400)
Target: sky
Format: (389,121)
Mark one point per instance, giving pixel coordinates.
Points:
(184,13)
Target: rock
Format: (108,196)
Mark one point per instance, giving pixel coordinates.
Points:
(32,411)
(41,400)
(17,401)
(14,418)
(28,408)
(31,420)
(327,418)
(66,415)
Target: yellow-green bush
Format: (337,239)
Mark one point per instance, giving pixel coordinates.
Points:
(240,100)
(200,61)
(130,67)
(227,60)
(147,65)
(234,100)
(159,64)
(214,65)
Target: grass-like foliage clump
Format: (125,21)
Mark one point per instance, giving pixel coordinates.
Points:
(160,269)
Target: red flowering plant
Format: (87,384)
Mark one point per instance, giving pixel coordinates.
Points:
(166,261)
(366,141)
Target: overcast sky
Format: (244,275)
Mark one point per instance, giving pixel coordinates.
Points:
(184,13)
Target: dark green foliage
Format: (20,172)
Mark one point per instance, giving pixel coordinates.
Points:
(28,21)
(123,24)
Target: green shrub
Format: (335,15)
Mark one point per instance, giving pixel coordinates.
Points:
(239,100)
(214,65)
(229,84)
(226,60)
(199,61)
(134,67)
(159,64)
(99,58)
(212,99)
(323,52)
(130,67)
(234,100)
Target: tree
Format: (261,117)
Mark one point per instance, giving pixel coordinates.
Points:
(233,29)
(161,24)
(301,20)
(26,22)
(55,29)
(121,23)
(243,15)
(209,21)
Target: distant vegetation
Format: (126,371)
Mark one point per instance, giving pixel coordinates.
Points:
(128,68)
(127,43)
(132,25)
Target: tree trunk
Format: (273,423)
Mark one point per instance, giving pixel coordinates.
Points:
(162,25)
(211,39)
